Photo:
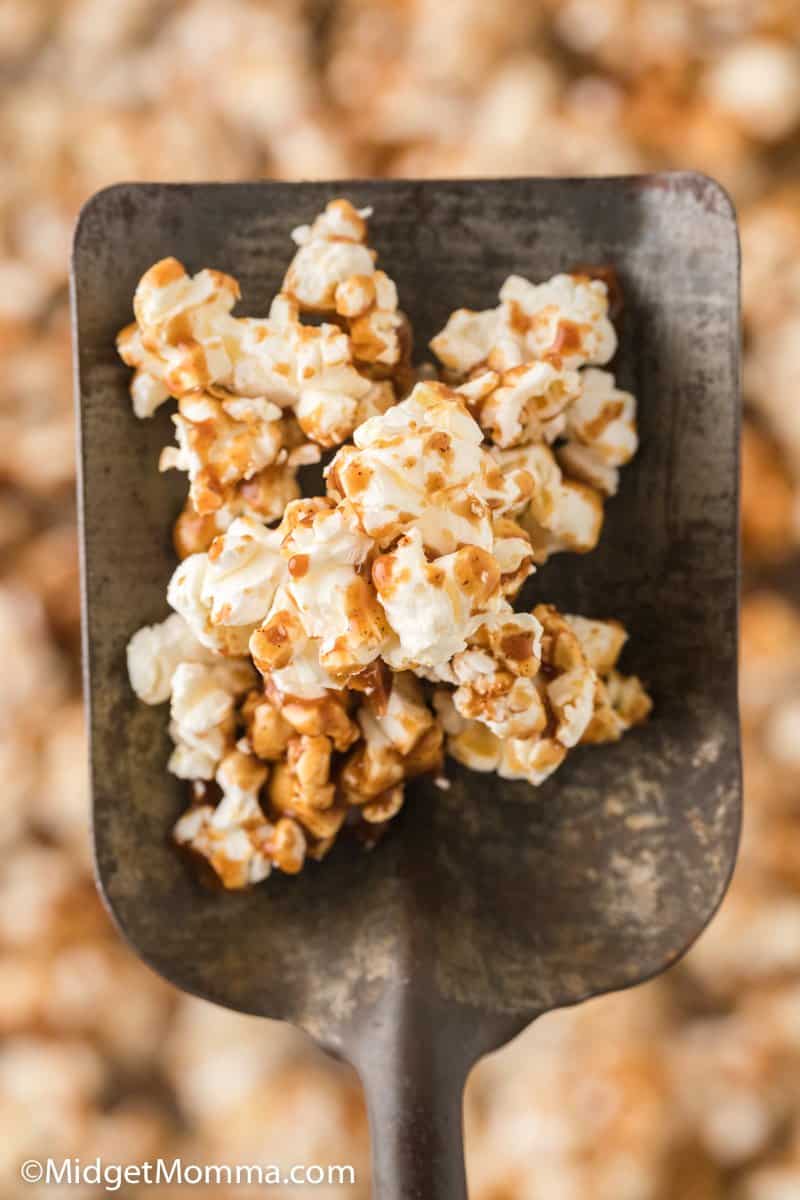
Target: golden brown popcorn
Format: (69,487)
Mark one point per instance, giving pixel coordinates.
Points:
(307,799)
(268,732)
(398,744)
(326,715)
(235,837)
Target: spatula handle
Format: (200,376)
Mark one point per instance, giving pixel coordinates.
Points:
(416,1125)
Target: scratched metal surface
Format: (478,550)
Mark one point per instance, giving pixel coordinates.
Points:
(492,902)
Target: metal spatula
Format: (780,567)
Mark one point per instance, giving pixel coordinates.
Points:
(488,904)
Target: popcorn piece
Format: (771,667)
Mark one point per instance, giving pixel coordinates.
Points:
(185,595)
(268,731)
(430,606)
(563,321)
(601,432)
(235,837)
(330,251)
(300,787)
(221,441)
(379,333)
(467,339)
(325,549)
(421,465)
(377,766)
(508,716)
(514,555)
(148,393)
(282,651)
(180,322)
(533,760)
(155,652)
(224,593)
(405,717)
(517,406)
(756,81)
(562,514)
(385,807)
(333,272)
(620,703)
(326,715)
(244,569)
(496,676)
(571,692)
(468,742)
(201,711)
(193,533)
(600,641)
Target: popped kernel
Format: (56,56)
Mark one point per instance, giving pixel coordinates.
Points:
(235,837)
(563,321)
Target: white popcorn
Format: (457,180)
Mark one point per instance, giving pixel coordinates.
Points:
(571,696)
(182,323)
(304,678)
(201,713)
(325,548)
(564,321)
(331,250)
(467,339)
(531,759)
(186,593)
(497,675)
(147,393)
(562,514)
(600,430)
(513,553)
(283,651)
(468,742)
(758,82)
(155,651)
(244,569)
(566,318)
(422,465)
(583,463)
(522,404)
(166,296)
(431,607)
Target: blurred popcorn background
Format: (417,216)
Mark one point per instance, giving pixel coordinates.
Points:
(686,1088)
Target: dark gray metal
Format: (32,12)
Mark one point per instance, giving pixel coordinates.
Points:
(491,903)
